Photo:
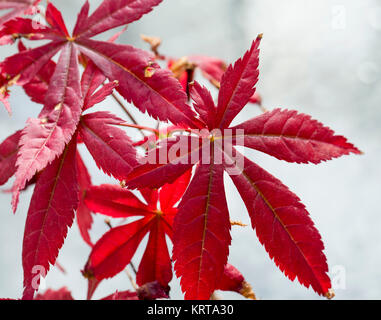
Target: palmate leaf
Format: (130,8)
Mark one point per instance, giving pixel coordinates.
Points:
(50,214)
(114,250)
(282,223)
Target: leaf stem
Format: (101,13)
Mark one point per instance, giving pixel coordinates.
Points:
(129,115)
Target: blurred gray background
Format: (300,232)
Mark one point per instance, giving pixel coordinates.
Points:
(319,57)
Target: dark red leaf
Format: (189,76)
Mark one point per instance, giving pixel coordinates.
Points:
(294,137)
(237,86)
(111,14)
(202,233)
(50,214)
(284,227)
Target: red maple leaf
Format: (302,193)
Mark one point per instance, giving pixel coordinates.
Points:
(202,227)
(113,252)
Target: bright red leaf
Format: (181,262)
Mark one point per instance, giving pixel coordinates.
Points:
(280,220)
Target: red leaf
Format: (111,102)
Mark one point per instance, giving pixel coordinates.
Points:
(99,96)
(8,156)
(50,214)
(111,14)
(54,18)
(162,167)
(156,263)
(60,294)
(294,137)
(114,250)
(284,227)
(114,201)
(121,242)
(158,93)
(44,138)
(237,86)
(110,147)
(171,193)
(84,217)
(204,104)
(37,88)
(202,233)
(24,66)
(92,78)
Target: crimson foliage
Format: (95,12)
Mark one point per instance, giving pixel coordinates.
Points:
(182,198)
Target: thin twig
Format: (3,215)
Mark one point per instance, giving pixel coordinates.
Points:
(129,115)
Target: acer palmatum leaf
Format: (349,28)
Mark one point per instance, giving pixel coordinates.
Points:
(113,252)
(294,137)
(202,233)
(17,7)
(8,156)
(45,138)
(233,280)
(84,217)
(110,147)
(111,14)
(311,142)
(50,214)
(115,249)
(157,93)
